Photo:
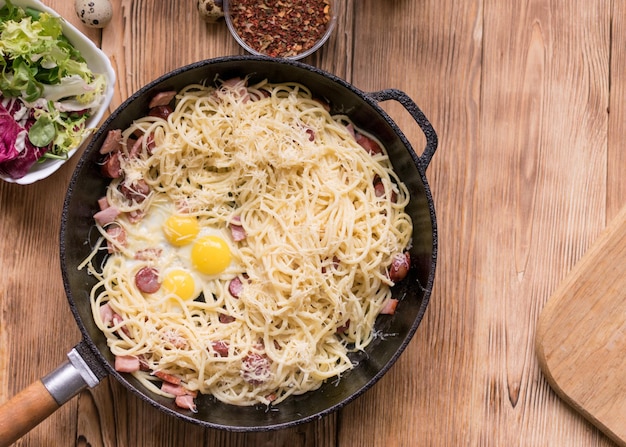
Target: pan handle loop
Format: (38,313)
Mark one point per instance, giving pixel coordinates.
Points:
(32,405)
(418,116)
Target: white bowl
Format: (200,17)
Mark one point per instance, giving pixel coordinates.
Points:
(98,62)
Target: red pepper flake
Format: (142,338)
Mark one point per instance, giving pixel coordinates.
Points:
(280,28)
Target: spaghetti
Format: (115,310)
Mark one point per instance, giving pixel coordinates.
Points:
(312,223)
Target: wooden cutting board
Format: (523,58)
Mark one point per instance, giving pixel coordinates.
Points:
(581,334)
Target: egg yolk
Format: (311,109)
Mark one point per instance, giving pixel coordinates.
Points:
(210,255)
(180,230)
(180,283)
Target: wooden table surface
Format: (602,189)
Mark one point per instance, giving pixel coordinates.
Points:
(527,98)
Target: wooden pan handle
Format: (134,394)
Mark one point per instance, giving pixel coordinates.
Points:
(39,400)
(25,411)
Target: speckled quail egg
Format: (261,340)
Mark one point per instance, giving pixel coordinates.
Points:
(94,13)
(210,10)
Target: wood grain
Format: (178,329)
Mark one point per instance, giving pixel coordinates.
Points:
(528,100)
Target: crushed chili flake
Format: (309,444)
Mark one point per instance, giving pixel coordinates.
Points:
(280,28)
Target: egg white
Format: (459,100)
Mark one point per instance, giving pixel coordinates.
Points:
(148,234)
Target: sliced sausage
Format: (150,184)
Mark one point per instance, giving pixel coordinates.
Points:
(400,266)
(147,280)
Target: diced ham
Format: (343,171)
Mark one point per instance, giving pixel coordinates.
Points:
(371,146)
(400,265)
(162,99)
(116,320)
(111,167)
(103,203)
(225,318)
(235,287)
(172,388)
(379,188)
(255,368)
(169,378)
(116,238)
(148,254)
(150,144)
(106,314)
(390,307)
(343,328)
(112,142)
(126,363)
(236,229)
(220,347)
(136,191)
(143,363)
(174,338)
(135,149)
(106,216)
(147,280)
(135,216)
(161,112)
(186,401)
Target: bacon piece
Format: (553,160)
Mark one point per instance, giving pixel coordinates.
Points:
(162,99)
(135,149)
(103,203)
(117,238)
(172,337)
(371,146)
(400,265)
(143,363)
(136,191)
(220,347)
(390,307)
(106,314)
(117,319)
(186,401)
(106,216)
(172,388)
(148,254)
(126,363)
(112,142)
(344,328)
(161,112)
(236,229)
(111,167)
(225,318)
(147,280)
(169,378)
(379,189)
(135,216)
(235,287)
(255,368)
(150,144)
